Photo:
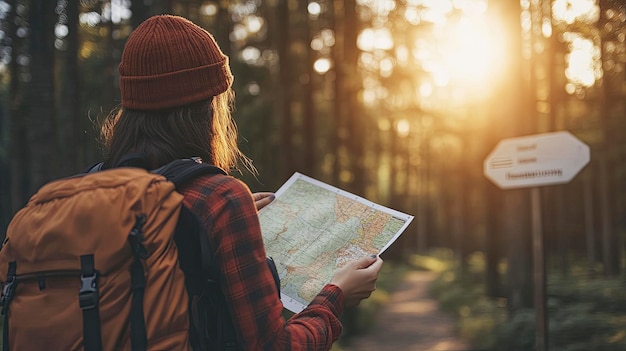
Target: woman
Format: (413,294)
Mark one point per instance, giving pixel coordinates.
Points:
(176,103)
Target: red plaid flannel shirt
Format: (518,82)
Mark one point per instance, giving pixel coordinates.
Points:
(227,209)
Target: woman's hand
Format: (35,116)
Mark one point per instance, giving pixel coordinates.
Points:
(357,279)
(262,199)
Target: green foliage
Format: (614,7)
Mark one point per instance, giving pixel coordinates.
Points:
(517,333)
(476,314)
(587,314)
(584,314)
(603,296)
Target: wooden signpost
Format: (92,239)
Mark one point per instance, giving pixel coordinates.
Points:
(531,162)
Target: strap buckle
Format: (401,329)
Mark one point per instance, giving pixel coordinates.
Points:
(135,237)
(7,294)
(88,293)
(9,288)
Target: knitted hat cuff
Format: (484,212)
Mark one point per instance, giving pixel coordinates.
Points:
(175,88)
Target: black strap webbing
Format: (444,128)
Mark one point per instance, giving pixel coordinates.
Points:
(183,170)
(88,300)
(7,296)
(138,337)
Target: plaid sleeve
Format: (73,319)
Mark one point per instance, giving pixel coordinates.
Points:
(226,207)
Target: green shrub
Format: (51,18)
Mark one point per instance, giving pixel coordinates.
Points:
(584,314)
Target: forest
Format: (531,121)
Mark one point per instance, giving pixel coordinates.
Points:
(398,101)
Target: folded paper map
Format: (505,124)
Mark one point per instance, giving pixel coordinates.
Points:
(312,228)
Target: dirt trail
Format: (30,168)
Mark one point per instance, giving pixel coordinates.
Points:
(411,321)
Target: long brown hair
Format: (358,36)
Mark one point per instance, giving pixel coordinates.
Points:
(203,129)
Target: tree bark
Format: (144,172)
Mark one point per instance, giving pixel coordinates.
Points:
(610,241)
(493,250)
(514,100)
(41,130)
(17,184)
(141,12)
(309,125)
(285,82)
(336,143)
(352,109)
(70,121)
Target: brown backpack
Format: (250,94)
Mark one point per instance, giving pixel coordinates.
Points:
(91,262)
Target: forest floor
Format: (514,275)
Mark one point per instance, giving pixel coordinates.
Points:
(411,321)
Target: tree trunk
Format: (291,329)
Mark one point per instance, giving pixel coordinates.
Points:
(610,242)
(140,11)
(224,27)
(513,100)
(110,88)
(493,244)
(394,150)
(349,97)
(556,195)
(310,163)
(70,120)
(590,232)
(336,143)
(285,81)
(423,191)
(41,132)
(17,184)
(462,207)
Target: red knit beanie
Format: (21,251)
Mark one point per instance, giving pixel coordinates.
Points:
(168,61)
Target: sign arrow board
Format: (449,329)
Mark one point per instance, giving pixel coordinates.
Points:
(536,160)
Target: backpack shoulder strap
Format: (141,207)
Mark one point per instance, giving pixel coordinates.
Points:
(181,171)
(96,167)
(178,171)
(210,322)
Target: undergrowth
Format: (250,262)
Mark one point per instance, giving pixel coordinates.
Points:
(584,313)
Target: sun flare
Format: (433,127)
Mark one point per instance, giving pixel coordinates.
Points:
(466,55)
(471,54)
